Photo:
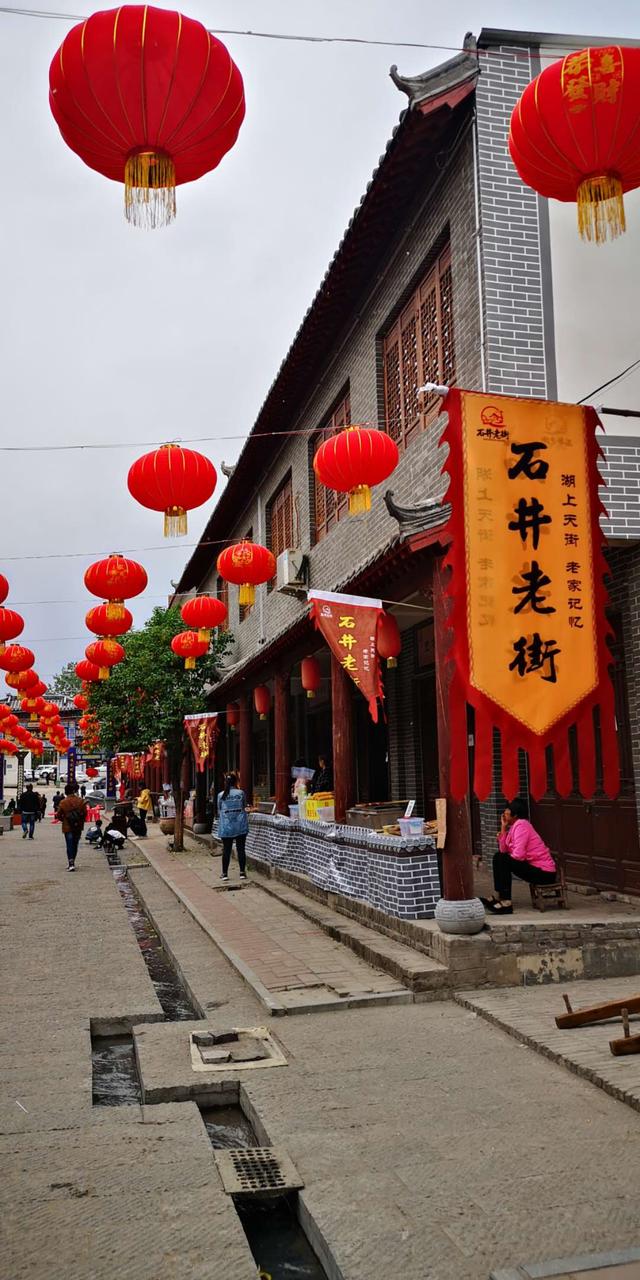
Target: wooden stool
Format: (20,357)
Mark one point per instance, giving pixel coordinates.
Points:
(553,893)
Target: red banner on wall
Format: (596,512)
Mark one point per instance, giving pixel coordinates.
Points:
(528,622)
(157,752)
(203,731)
(349,625)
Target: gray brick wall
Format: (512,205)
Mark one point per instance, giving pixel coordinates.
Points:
(620,470)
(354,542)
(514,227)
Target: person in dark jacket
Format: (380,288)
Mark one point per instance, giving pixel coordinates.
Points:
(322,779)
(29,806)
(43,805)
(233,824)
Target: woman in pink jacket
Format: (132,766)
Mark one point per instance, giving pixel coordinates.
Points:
(521,853)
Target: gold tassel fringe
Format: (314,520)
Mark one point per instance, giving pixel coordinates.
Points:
(175,522)
(311,693)
(103,673)
(189,664)
(601,208)
(149,190)
(359,500)
(115,609)
(392,662)
(204,634)
(247,594)
(33,716)
(263,716)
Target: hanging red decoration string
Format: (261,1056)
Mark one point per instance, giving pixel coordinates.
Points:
(204,613)
(173,480)
(246,564)
(388,641)
(310,676)
(574,135)
(187,645)
(149,98)
(115,579)
(354,461)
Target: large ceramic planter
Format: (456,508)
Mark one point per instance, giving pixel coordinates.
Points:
(167,826)
(465,917)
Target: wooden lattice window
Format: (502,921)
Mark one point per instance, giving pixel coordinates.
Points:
(222,592)
(329,506)
(419,348)
(280,521)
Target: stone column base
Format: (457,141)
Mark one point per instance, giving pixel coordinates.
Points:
(464,917)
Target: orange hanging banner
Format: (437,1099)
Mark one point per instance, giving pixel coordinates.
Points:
(349,625)
(203,731)
(527,590)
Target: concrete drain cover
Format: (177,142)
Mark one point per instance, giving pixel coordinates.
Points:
(257,1171)
(238,1049)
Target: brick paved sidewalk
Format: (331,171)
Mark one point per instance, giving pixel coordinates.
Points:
(291,964)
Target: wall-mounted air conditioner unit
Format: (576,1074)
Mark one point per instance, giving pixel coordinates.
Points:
(291,572)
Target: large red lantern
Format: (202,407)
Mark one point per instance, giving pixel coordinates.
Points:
(22,681)
(8,748)
(310,676)
(32,705)
(233,715)
(16,658)
(4,588)
(388,641)
(92,772)
(10,723)
(11,625)
(98,621)
(146,97)
(246,564)
(173,480)
(4,711)
(187,645)
(105,654)
(262,700)
(115,579)
(355,460)
(81,701)
(204,613)
(574,135)
(87,671)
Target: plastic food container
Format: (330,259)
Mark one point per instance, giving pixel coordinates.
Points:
(411,826)
(326,813)
(294,810)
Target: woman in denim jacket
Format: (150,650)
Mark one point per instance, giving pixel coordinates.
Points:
(233,824)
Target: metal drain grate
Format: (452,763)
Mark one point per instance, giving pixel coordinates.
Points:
(257,1171)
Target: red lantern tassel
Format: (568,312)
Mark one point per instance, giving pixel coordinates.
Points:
(175,522)
(189,664)
(247,594)
(103,673)
(115,609)
(149,190)
(359,500)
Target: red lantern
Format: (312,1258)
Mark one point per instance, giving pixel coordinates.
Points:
(574,135)
(98,621)
(146,97)
(33,706)
(91,771)
(9,723)
(22,680)
(205,613)
(246,564)
(388,642)
(87,671)
(173,480)
(4,588)
(105,654)
(310,675)
(50,710)
(8,748)
(262,700)
(81,702)
(16,658)
(355,460)
(4,711)
(187,645)
(11,625)
(233,715)
(115,579)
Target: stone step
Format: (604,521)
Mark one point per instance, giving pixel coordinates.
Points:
(415,970)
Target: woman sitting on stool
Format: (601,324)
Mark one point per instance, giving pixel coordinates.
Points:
(522,853)
(233,824)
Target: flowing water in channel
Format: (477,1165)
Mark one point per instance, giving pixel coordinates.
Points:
(176,1002)
(115,1072)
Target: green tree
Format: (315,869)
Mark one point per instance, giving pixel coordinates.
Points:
(148,695)
(66,683)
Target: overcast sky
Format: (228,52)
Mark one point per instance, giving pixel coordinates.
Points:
(112,335)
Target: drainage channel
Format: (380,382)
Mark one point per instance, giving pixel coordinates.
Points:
(270,1222)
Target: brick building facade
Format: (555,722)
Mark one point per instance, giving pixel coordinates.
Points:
(444,274)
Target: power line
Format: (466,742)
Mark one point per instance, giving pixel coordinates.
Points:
(611,381)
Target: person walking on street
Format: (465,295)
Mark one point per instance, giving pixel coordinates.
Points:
(72,812)
(233,824)
(56,801)
(43,805)
(29,806)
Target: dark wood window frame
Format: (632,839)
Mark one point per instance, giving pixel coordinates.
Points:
(327,506)
(281,520)
(419,347)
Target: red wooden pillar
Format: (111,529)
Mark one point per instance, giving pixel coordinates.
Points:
(282,744)
(344,762)
(246,745)
(457,855)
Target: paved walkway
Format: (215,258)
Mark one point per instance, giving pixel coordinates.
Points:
(288,961)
